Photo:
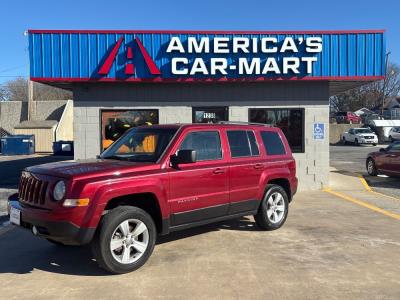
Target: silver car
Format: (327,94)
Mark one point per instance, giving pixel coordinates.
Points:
(394,134)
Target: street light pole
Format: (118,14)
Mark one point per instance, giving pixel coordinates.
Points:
(384,81)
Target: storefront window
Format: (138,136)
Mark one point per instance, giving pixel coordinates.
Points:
(114,123)
(210,114)
(291,121)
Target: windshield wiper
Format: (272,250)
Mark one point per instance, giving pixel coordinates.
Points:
(116,157)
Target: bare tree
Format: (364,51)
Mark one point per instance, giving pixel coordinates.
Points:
(369,95)
(17,90)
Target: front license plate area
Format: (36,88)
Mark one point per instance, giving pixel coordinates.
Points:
(15,216)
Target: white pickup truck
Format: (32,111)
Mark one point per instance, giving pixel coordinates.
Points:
(359,136)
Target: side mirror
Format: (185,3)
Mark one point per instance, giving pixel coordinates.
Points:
(183,157)
(382,150)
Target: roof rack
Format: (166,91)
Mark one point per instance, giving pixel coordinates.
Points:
(243,123)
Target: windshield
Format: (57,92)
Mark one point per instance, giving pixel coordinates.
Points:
(144,144)
(363,131)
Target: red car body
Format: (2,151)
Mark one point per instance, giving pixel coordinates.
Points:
(385,161)
(195,194)
(347,117)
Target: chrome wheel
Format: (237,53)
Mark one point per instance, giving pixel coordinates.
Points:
(129,241)
(275,207)
(371,167)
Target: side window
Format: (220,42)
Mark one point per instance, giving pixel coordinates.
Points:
(242,143)
(351,131)
(207,145)
(272,143)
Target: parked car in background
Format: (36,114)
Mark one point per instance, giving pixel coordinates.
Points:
(385,161)
(394,134)
(359,136)
(347,117)
(155,180)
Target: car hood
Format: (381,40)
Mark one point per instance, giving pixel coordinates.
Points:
(366,134)
(90,167)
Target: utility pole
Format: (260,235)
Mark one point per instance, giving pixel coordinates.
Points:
(384,81)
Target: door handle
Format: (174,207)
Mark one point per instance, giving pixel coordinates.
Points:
(392,155)
(258,166)
(219,171)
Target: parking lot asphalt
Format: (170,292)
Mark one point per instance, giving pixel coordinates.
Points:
(343,242)
(349,158)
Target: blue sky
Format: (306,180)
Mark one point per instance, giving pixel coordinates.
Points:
(16,17)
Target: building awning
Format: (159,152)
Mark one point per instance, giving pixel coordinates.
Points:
(345,59)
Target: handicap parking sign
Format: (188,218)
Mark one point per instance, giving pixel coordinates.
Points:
(319,131)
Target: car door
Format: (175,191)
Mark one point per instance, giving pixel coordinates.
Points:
(246,167)
(386,159)
(351,135)
(199,190)
(396,133)
(393,165)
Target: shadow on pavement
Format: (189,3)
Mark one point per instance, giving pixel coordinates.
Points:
(21,252)
(10,170)
(241,224)
(383,182)
(347,173)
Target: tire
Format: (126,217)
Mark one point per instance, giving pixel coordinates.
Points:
(371,168)
(356,142)
(344,141)
(267,213)
(117,226)
(391,139)
(374,144)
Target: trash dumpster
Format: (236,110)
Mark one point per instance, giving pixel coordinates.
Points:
(18,145)
(65,148)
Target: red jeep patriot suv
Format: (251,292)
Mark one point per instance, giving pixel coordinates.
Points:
(155,180)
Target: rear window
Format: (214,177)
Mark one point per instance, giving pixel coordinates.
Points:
(242,143)
(272,143)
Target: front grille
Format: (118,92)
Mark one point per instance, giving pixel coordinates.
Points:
(32,190)
(368,137)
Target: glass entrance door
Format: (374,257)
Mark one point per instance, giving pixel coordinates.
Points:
(210,114)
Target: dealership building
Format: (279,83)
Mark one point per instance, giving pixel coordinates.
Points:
(122,79)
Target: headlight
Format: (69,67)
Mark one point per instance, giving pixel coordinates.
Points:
(59,190)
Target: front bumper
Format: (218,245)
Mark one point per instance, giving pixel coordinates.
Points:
(368,141)
(60,231)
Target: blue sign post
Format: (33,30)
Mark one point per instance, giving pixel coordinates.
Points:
(319,131)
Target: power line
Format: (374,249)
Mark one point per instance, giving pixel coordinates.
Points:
(13,68)
(13,76)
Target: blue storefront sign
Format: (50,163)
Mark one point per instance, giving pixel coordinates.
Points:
(76,56)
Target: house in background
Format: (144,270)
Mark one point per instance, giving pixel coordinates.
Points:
(51,121)
(392,108)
